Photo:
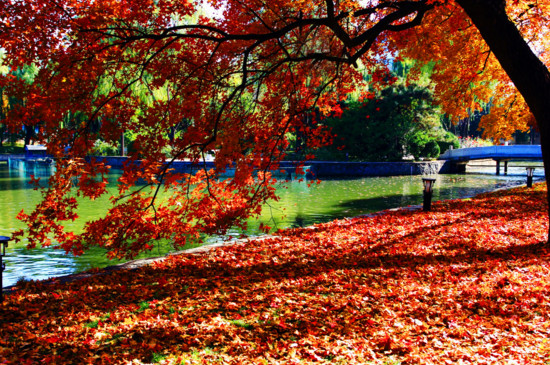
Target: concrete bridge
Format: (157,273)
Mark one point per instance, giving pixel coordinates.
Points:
(460,157)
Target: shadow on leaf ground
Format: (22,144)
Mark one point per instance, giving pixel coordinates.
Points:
(468,282)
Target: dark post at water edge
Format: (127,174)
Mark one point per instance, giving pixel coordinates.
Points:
(428,191)
(3,244)
(530,171)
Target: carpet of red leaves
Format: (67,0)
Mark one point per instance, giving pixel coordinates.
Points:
(468,283)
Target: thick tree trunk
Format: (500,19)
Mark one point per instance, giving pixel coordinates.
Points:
(525,69)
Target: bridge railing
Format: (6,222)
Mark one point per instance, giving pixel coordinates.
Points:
(494,152)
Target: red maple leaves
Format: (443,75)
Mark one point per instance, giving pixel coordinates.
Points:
(467,282)
(245,84)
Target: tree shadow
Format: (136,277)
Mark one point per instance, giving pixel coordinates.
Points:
(279,291)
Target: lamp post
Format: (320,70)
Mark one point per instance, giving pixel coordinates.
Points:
(428,191)
(3,244)
(530,171)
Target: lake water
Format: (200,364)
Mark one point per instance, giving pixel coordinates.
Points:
(300,205)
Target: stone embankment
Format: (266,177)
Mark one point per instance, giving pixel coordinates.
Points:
(323,169)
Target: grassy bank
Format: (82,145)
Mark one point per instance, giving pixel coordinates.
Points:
(466,283)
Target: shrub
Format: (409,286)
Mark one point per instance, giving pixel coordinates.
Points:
(447,141)
(431,149)
(102,148)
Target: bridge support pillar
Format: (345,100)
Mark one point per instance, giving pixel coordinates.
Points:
(505,166)
(454,167)
(459,167)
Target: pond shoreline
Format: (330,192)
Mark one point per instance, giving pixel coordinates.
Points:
(465,282)
(324,169)
(137,263)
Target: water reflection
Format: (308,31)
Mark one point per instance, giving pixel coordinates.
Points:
(301,204)
(37,264)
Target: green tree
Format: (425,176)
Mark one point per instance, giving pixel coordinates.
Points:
(401,120)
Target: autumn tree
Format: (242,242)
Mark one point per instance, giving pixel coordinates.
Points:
(242,79)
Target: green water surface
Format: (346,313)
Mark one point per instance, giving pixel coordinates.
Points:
(300,205)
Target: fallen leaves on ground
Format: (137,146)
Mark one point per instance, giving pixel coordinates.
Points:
(468,283)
